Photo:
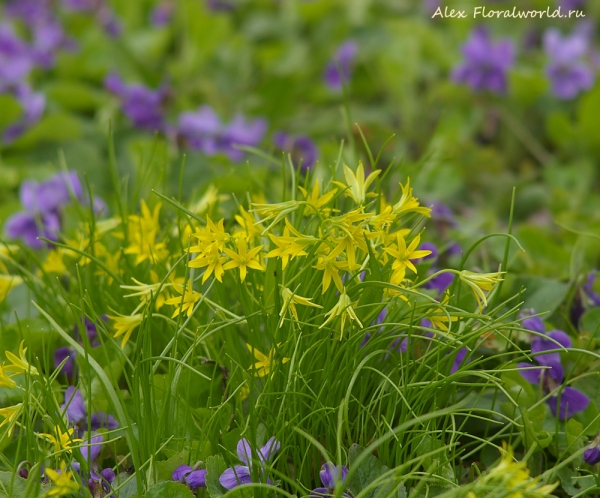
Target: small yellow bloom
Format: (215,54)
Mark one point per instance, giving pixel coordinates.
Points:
(357,183)
(125,325)
(249,225)
(290,246)
(186,300)
(5,380)
(243,259)
(344,310)
(265,363)
(479,282)
(7,282)
(11,414)
(19,364)
(62,481)
(408,203)
(63,440)
(513,477)
(289,302)
(403,256)
(212,260)
(54,262)
(315,202)
(143,230)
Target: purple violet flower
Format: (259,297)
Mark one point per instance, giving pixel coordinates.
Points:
(303,150)
(202,130)
(440,283)
(339,69)
(592,454)
(458,359)
(242,474)
(551,379)
(569,74)
(588,288)
(194,479)
(330,475)
(29,226)
(533,323)
(486,63)
(143,106)
(74,407)
(220,5)
(162,13)
(16,60)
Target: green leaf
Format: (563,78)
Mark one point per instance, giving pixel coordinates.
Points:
(541,294)
(369,471)
(574,484)
(10,110)
(21,488)
(215,466)
(165,468)
(574,432)
(590,322)
(74,95)
(587,113)
(169,490)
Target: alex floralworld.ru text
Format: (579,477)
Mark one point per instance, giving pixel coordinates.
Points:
(483,12)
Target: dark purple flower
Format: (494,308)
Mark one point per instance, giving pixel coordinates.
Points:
(194,479)
(101,420)
(458,359)
(91,451)
(588,288)
(441,212)
(162,13)
(428,246)
(533,323)
(569,74)
(571,4)
(440,283)
(551,377)
(302,149)
(571,401)
(339,70)
(52,194)
(69,354)
(143,106)
(242,474)
(486,63)
(100,484)
(75,409)
(180,472)
(74,406)
(592,454)
(330,475)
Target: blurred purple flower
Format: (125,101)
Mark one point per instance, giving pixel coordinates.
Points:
(588,288)
(202,130)
(16,58)
(486,63)
(428,246)
(551,378)
(440,283)
(330,475)
(339,69)
(303,150)
(100,484)
(242,474)
(458,359)
(220,5)
(568,72)
(161,14)
(143,106)
(29,226)
(241,131)
(571,4)
(33,107)
(441,212)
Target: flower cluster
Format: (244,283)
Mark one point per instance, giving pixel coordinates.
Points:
(563,401)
